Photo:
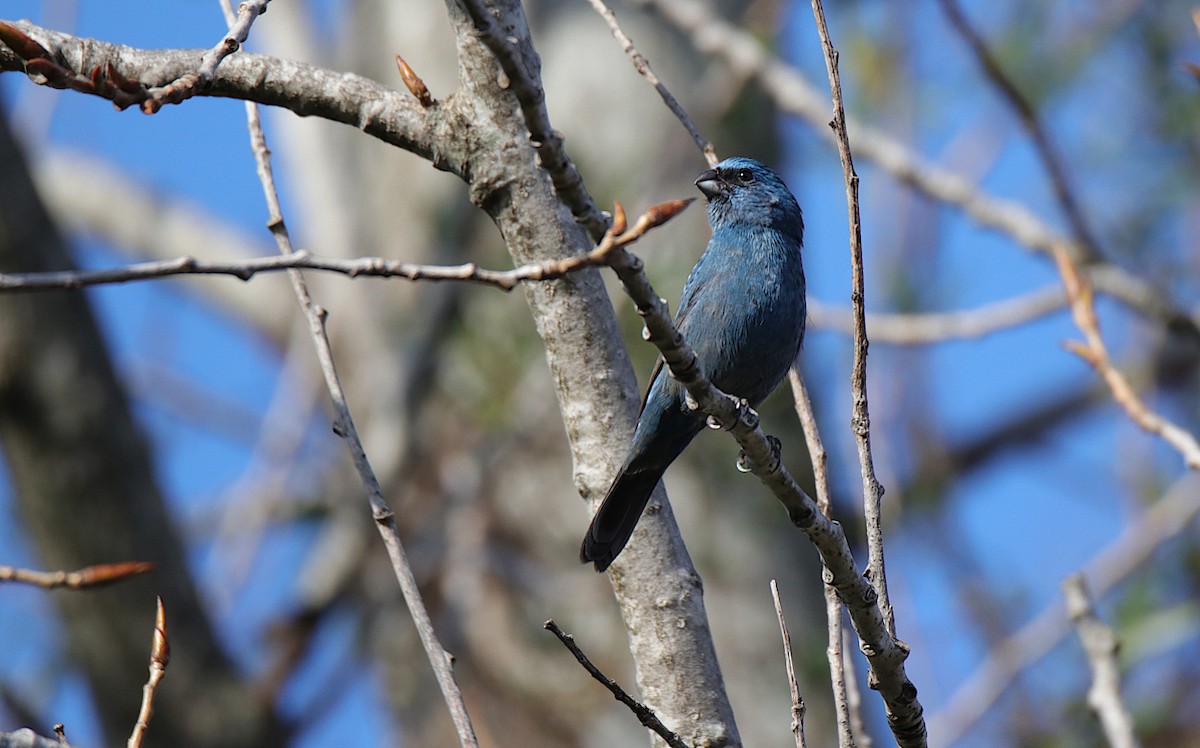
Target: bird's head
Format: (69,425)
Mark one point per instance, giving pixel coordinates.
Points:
(743,191)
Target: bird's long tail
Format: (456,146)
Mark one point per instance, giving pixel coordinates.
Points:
(618,514)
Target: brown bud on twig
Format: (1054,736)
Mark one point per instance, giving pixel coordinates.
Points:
(45,72)
(21,43)
(413,82)
(128,85)
(659,214)
(102,574)
(619,222)
(160,650)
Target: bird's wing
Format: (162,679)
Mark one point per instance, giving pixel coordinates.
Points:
(658,365)
(692,289)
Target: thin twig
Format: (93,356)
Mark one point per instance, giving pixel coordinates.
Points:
(860,419)
(1100,645)
(642,65)
(1088,248)
(86,578)
(1095,353)
(343,426)
(126,90)
(160,657)
(833,605)
(644,713)
(793,685)
(522,66)
(854,701)
(375,267)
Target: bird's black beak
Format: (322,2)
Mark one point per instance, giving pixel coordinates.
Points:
(711,184)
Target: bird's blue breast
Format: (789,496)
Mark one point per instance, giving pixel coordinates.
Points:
(745,315)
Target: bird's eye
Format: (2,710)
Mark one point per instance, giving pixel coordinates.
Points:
(745,176)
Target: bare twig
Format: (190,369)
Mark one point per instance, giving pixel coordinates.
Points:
(644,713)
(125,91)
(160,657)
(86,578)
(938,327)
(188,85)
(793,684)
(1165,519)
(1088,248)
(860,420)
(377,110)
(854,703)
(833,605)
(1094,351)
(522,66)
(344,426)
(642,65)
(1100,645)
(246,269)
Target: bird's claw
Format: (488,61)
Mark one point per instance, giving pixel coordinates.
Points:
(745,464)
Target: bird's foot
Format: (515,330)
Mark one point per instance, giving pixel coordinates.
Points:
(745,465)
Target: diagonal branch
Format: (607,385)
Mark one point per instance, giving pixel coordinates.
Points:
(523,67)
(885,654)
(1095,353)
(343,426)
(642,65)
(644,713)
(1088,248)
(844,706)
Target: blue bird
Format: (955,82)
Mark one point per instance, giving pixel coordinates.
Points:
(743,313)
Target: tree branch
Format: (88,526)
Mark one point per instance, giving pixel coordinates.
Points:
(860,419)
(833,604)
(343,426)
(1100,644)
(1088,249)
(642,65)
(798,707)
(376,267)
(160,657)
(377,110)
(644,714)
(938,327)
(885,654)
(521,64)
(1095,353)
(86,578)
